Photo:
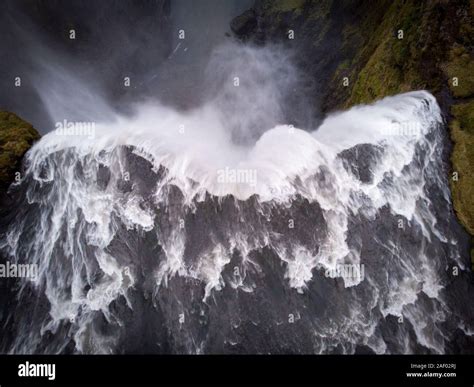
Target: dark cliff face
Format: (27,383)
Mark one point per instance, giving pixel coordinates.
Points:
(327,36)
(359,51)
(382,47)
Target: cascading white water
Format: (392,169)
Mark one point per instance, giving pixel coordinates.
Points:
(95,200)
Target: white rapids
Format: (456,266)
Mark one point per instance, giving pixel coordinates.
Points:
(79,217)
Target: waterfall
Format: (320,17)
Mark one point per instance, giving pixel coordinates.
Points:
(195,231)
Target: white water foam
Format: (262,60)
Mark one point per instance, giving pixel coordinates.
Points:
(194,147)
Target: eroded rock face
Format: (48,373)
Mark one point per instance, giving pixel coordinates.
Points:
(326,35)
(244,24)
(361,160)
(16,137)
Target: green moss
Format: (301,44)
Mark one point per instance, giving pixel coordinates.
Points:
(16,137)
(344,65)
(359,38)
(460,66)
(390,64)
(378,78)
(462,134)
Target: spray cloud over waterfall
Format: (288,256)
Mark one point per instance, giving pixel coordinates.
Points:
(200,227)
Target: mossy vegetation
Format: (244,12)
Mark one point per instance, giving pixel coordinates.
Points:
(462,186)
(462,134)
(16,137)
(395,58)
(460,72)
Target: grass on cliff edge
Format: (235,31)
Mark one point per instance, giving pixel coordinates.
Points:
(462,158)
(462,134)
(16,137)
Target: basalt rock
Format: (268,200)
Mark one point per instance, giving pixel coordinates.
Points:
(245,24)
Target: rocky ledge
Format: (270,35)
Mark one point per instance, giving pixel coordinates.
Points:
(16,137)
